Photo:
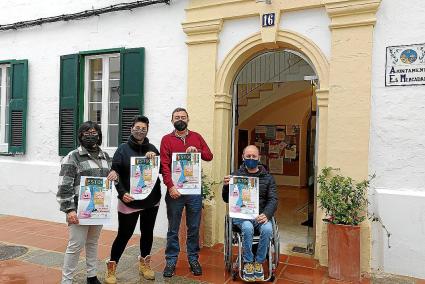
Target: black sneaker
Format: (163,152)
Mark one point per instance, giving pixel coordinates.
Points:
(169,270)
(195,267)
(93,280)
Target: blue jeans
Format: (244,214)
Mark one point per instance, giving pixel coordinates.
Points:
(247,228)
(193,204)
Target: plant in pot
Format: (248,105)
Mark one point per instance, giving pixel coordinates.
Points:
(345,204)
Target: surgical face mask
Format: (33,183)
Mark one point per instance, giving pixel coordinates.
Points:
(180,125)
(139,134)
(89,141)
(251,163)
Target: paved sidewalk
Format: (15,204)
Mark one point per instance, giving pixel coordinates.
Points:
(46,242)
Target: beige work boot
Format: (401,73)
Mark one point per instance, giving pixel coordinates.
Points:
(111,267)
(145,267)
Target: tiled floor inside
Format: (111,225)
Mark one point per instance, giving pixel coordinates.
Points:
(291,213)
(47,242)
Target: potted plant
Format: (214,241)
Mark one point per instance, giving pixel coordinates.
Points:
(345,204)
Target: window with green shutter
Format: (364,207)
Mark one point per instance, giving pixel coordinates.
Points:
(13,106)
(104,86)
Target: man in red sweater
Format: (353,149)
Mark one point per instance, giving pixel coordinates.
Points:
(181,140)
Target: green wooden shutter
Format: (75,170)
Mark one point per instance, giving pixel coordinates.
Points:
(68,103)
(18,106)
(132,86)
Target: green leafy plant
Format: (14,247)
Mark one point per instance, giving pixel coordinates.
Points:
(343,200)
(207,188)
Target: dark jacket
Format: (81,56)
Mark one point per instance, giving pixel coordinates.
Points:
(267,192)
(121,164)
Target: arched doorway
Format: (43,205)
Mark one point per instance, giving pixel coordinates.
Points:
(223,104)
(274,107)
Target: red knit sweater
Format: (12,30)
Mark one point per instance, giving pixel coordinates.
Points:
(170,144)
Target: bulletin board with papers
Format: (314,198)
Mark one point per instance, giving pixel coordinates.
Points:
(279,147)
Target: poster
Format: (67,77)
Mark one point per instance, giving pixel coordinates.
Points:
(290,130)
(186,172)
(276,166)
(143,175)
(94,201)
(260,129)
(243,197)
(274,147)
(270,132)
(280,133)
(291,153)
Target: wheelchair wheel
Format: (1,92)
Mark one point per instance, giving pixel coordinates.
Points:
(227,245)
(235,271)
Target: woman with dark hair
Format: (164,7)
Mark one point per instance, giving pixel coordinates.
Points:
(87,160)
(130,210)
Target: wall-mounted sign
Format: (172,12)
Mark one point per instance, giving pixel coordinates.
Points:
(268,20)
(405,65)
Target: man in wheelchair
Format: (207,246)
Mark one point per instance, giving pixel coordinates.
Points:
(253,268)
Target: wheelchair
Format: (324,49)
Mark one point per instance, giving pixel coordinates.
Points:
(234,262)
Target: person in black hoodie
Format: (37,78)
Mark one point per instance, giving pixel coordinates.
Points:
(253,269)
(129,210)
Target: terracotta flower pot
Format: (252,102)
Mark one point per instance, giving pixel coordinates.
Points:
(344,252)
(183,232)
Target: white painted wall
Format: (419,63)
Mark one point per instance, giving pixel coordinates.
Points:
(29,183)
(233,32)
(397,147)
(311,23)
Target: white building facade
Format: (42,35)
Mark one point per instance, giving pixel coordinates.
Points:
(154,32)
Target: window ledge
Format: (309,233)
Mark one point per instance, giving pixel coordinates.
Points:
(4,150)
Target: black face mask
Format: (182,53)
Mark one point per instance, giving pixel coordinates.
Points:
(180,125)
(90,141)
(139,135)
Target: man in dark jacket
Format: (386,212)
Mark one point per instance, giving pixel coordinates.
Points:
(268,204)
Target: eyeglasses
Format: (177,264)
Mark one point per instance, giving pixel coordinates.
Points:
(141,129)
(90,133)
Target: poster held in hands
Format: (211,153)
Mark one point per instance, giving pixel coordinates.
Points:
(94,201)
(186,172)
(243,197)
(143,175)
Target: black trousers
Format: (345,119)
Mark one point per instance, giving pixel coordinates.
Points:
(127,224)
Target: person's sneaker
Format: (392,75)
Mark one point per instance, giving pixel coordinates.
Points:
(93,280)
(258,271)
(248,271)
(169,270)
(195,267)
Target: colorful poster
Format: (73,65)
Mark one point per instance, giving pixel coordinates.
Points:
(143,175)
(186,172)
(94,201)
(243,197)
